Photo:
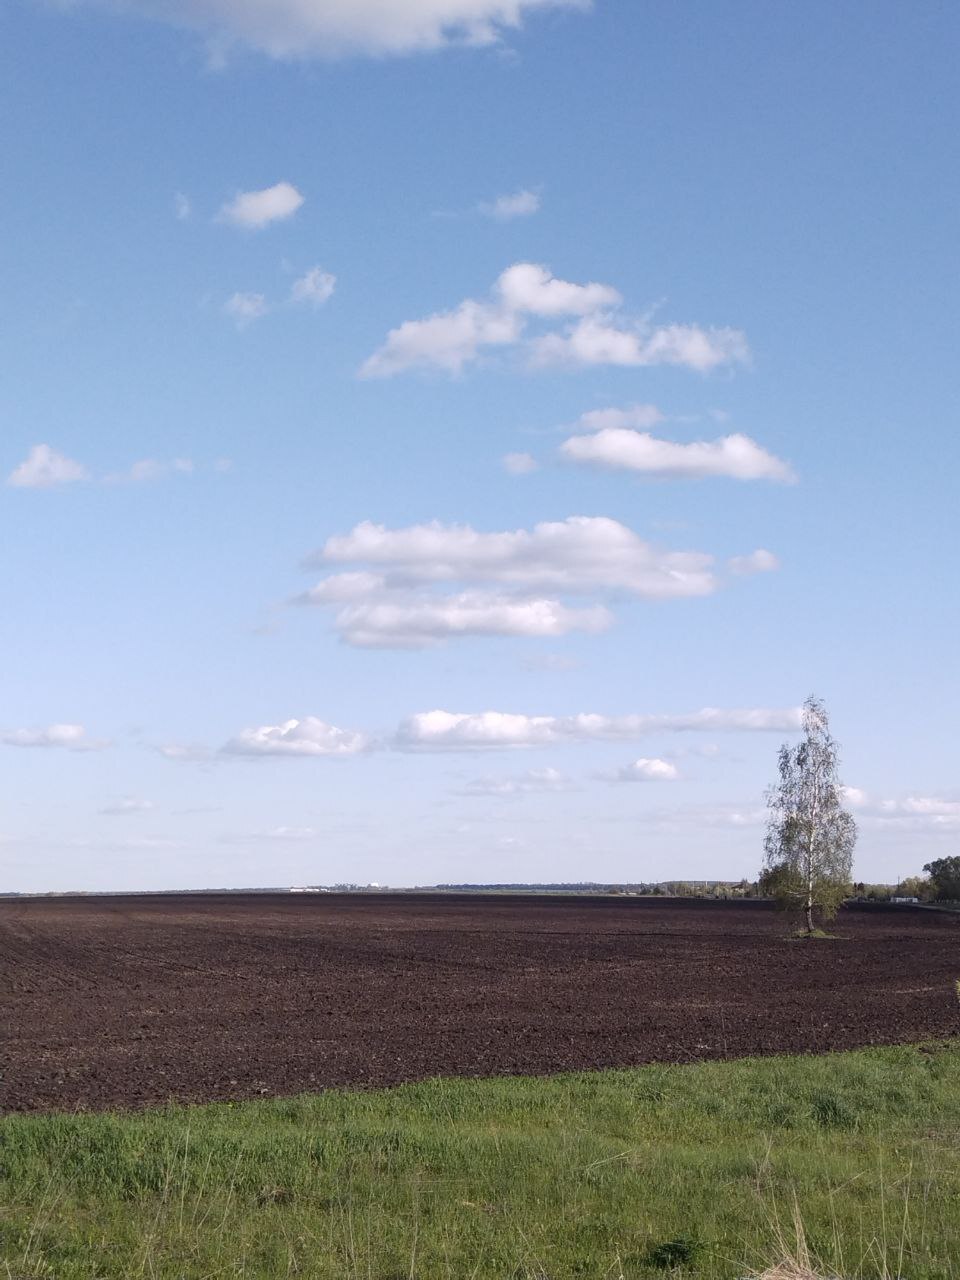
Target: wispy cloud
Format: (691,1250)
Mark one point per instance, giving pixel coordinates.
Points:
(532,782)
(244,308)
(519,464)
(492,730)
(297,29)
(759,561)
(127,807)
(254,210)
(68,737)
(45,468)
(912,812)
(520,204)
(312,289)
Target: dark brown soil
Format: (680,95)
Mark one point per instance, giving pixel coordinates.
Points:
(124,1001)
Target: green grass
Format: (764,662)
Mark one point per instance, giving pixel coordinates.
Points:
(662,1171)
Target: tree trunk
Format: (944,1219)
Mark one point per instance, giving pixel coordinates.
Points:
(809,917)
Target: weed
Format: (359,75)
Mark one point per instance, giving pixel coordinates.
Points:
(676,1252)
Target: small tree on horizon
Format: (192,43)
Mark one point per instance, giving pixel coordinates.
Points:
(945,874)
(810,836)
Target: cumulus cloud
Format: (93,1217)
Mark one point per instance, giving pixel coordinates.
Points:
(648,770)
(532,782)
(313,288)
(182,207)
(244,308)
(472,731)
(399,620)
(620,448)
(294,29)
(306,737)
(447,341)
(759,561)
(70,737)
(126,807)
(45,468)
(638,417)
(518,205)
(528,291)
(508,584)
(519,464)
(576,555)
(597,340)
(254,210)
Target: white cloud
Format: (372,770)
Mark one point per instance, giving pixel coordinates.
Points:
(926,807)
(447,340)
(531,782)
(527,291)
(911,813)
(519,464)
(313,288)
(254,210)
(306,737)
(729,815)
(619,448)
(45,468)
(854,797)
(185,753)
(648,770)
(340,28)
(759,561)
(595,340)
(71,737)
(530,289)
(415,621)
(576,555)
(508,584)
(127,806)
(150,469)
(286,835)
(462,731)
(555,662)
(637,416)
(244,308)
(182,207)
(518,205)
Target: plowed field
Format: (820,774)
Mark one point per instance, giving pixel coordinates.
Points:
(125,1001)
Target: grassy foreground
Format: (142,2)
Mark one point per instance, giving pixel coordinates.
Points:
(670,1171)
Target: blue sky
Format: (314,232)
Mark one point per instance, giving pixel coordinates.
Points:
(565,369)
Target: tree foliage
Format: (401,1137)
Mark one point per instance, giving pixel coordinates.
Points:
(810,836)
(945,874)
(921,887)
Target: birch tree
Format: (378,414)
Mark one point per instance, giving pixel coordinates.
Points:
(810,836)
